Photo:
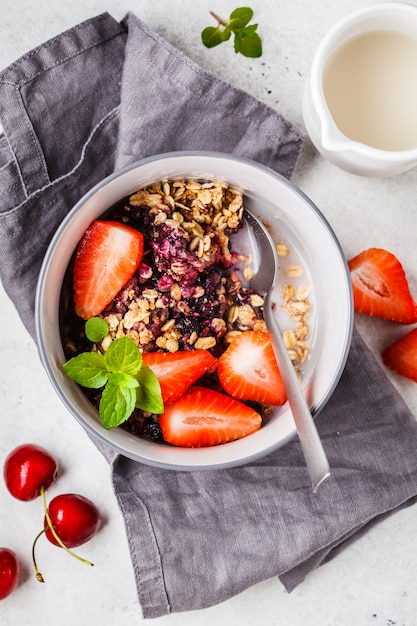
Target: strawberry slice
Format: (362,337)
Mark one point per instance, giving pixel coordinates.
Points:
(107,257)
(203,417)
(401,356)
(380,287)
(177,371)
(248,370)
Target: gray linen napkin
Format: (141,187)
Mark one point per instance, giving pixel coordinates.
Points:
(102,95)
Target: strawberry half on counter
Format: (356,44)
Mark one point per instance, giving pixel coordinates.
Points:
(203,417)
(401,356)
(380,287)
(108,255)
(177,371)
(248,370)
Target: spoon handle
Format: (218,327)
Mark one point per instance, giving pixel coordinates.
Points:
(315,457)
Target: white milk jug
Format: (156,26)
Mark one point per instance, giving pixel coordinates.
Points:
(360,101)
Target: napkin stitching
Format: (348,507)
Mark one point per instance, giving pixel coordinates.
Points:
(18,74)
(14,147)
(113,113)
(6,165)
(91,44)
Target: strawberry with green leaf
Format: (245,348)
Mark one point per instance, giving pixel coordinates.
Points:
(204,417)
(401,356)
(248,370)
(380,287)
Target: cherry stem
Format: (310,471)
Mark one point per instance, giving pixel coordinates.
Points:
(38,575)
(56,536)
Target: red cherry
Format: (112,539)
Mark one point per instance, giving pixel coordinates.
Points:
(26,469)
(75,520)
(9,572)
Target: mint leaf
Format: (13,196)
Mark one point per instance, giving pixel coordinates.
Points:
(87,369)
(239,18)
(246,41)
(148,393)
(123,355)
(249,30)
(117,403)
(211,36)
(127,382)
(96,329)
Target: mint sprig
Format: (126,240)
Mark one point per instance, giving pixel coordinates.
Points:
(246,39)
(127,382)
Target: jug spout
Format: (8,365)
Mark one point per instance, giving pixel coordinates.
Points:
(333,140)
(321,128)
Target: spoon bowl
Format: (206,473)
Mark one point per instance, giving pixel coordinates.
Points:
(264,281)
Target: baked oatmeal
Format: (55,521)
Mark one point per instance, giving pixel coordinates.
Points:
(186,293)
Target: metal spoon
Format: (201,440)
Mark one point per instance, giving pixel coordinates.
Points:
(263,282)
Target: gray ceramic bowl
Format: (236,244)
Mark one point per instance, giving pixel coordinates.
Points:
(292,218)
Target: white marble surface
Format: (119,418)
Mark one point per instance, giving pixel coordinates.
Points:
(373,581)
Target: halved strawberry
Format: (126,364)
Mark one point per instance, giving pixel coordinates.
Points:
(177,371)
(203,417)
(108,255)
(380,287)
(401,356)
(248,370)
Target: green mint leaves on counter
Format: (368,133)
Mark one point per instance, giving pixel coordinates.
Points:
(127,382)
(246,39)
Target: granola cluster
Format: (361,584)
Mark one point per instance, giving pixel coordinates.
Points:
(186,293)
(297,303)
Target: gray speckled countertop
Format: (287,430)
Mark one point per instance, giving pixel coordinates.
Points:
(372,582)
